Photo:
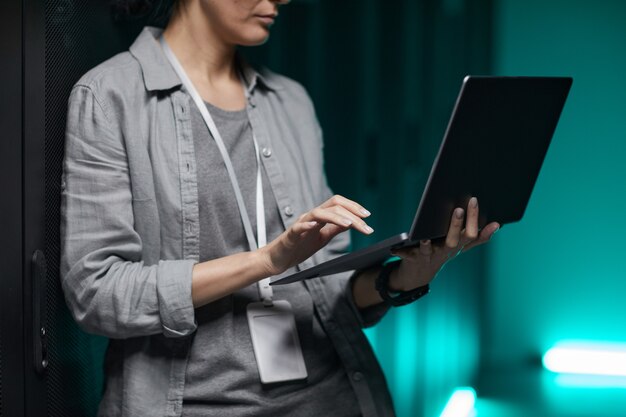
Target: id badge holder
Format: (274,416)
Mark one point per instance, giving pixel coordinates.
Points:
(275,342)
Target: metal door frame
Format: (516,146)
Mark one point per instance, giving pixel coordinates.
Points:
(34,285)
(11,266)
(22,183)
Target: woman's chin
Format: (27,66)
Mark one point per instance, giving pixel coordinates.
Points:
(258,36)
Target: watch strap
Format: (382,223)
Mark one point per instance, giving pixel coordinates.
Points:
(399,298)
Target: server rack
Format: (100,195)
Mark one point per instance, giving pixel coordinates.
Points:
(48,366)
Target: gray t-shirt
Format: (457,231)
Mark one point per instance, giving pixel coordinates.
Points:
(222,377)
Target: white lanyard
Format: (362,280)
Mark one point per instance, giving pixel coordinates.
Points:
(265,290)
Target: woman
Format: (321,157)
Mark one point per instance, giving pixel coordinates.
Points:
(154,253)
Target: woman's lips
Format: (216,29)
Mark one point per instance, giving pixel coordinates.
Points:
(267,19)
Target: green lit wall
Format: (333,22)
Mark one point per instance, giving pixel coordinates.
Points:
(561,272)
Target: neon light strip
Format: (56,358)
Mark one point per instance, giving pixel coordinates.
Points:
(588,359)
(460,404)
(590,381)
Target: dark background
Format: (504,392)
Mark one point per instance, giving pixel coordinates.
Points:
(383,76)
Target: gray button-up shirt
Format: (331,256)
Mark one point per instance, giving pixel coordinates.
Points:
(130,224)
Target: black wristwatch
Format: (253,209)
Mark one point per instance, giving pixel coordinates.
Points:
(400,298)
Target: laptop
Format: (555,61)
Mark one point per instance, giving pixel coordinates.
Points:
(493,148)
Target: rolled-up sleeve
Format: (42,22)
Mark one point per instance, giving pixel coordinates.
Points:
(108,287)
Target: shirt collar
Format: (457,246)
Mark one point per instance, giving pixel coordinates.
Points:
(158,74)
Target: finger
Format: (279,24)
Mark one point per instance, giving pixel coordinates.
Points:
(352,206)
(454,232)
(328,216)
(302,227)
(485,236)
(426,247)
(357,223)
(329,231)
(471,223)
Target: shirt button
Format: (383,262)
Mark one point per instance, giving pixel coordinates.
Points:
(267,152)
(357,376)
(288,211)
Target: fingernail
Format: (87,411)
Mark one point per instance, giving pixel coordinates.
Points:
(473,203)
(495,231)
(313,223)
(458,213)
(365,212)
(369,229)
(346,222)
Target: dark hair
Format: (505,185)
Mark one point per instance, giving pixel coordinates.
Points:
(158,10)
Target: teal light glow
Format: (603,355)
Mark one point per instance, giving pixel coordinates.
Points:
(587,382)
(587,358)
(461,403)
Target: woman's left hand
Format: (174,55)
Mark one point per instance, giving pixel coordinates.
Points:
(421,264)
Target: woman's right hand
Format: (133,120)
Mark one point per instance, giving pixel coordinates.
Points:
(312,231)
